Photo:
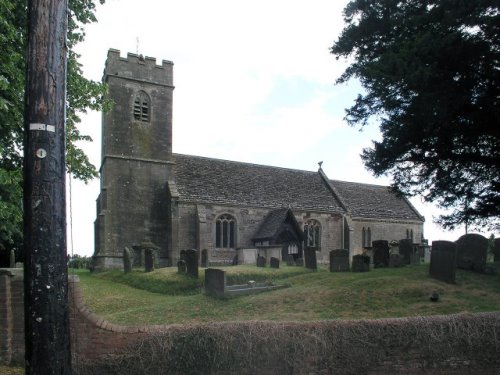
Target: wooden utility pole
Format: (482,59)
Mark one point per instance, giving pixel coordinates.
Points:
(47,337)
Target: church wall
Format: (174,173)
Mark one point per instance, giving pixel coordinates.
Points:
(197,229)
(135,209)
(384,230)
(331,232)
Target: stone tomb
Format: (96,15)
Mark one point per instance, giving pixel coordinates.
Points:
(339,260)
(380,253)
(443,261)
(472,250)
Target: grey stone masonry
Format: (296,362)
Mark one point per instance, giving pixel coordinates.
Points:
(137,158)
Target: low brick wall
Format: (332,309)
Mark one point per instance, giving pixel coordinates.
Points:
(448,344)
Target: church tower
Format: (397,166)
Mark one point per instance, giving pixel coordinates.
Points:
(136,160)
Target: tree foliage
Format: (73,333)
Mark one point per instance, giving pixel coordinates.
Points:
(82,95)
(431,74)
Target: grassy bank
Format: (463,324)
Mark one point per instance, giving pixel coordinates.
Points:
(164,297)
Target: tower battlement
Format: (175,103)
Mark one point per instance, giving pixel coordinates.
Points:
(138,67)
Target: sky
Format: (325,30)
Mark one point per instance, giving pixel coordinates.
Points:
(254,82)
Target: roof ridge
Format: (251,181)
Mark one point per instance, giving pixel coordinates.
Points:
(242,162)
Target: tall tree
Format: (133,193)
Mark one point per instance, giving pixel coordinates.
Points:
(430,70)
(83,95)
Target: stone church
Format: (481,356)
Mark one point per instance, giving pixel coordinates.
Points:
(177,202)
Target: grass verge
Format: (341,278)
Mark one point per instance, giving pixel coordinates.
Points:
(164,297)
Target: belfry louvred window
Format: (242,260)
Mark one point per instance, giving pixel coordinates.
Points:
(142,107)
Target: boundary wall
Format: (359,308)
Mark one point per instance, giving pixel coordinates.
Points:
(445,344)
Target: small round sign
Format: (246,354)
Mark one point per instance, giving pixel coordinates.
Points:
(41,153)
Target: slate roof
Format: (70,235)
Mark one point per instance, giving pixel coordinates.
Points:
(374,201)
(272,224)
(216,181)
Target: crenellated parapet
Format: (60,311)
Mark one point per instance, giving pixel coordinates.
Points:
(138,67)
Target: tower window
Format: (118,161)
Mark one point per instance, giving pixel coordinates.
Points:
(142,107)
(225,227)
(312,232)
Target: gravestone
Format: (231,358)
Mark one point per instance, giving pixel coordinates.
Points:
(496,250)
(275,262)
(215,282)
(234,262)
(182,255)
(415,258)
(310,259)
(289,260)
(443,261)
(12,259)
(406,250)
(204,258)
(381,253)
(472,250)
(339,260)
(360,263)
(149,260)
(261,261)
(299,261)
(127,260)
(181,266)
(191,262)
(395,260)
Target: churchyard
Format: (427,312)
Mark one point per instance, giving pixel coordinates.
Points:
(166,297)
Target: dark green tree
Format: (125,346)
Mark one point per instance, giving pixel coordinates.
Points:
(430,70)
(82,95)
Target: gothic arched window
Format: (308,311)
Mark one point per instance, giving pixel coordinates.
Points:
(312,232)
(142,107)
(225,229)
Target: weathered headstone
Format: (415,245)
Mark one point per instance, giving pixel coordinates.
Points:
(261,261)
(204,258)
(415,258)
(127,260)
(182,255)
(191,262)
(234,262)
(181,266)
(215,282)
(395,260)
(274,262)
(360,263)
(339,260)
(149,260)
(472,250)
(310,259)
(289,260)
(496,250)
(406,250)
(12,259)
(443,261)
(380,253)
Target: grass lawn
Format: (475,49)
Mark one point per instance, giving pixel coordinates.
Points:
(164,297)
